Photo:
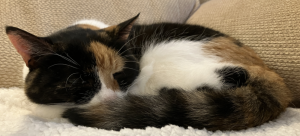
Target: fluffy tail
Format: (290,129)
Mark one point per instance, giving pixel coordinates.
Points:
(234,109)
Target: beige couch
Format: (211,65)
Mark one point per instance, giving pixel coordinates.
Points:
(270,27)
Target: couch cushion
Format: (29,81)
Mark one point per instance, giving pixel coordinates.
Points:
(270,27)
(44,17)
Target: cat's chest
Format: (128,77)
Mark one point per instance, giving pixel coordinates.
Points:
(177,64)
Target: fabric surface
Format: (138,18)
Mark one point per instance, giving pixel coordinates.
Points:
(19,117)
(270,27)
(46,16)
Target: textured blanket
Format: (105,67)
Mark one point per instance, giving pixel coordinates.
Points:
(20,117)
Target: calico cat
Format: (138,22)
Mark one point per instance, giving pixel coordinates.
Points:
(134,76)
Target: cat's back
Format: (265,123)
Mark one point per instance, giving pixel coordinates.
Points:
(190,57)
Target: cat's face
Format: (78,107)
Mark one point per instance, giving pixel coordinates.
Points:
(74,64)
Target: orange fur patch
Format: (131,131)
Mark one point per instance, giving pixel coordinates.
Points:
(244,56)
(225,48)
(273,80)
(114,28)
(102,34)
(108,62)
(86,26)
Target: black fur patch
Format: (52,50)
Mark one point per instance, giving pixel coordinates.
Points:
(76,115)
(205,88)
(67,72)
(160,32)
(233,76)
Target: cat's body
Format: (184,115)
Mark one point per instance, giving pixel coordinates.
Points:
(136,76)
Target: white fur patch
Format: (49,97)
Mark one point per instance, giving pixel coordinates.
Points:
(25,71)
(48,112)
(177,64)
(92,22)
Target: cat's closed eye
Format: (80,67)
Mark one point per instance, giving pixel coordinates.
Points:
(117,75)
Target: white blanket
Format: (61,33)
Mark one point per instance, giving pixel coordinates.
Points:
(18,117)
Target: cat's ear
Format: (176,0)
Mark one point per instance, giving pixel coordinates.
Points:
(26,44)
(122,30)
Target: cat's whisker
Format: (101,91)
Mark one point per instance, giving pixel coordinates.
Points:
(128,42)
(293,104)
(127,61)
(131,69)
(202,32)
(131,61)
(65,58)
(130,55)
(127,50)
(72,59)
(40,54)
(213,35)
(74,81)
(68,80)
(184,31)
(192,37)
(81,78)
(59,64)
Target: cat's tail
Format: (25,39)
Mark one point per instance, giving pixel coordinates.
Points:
(251,105)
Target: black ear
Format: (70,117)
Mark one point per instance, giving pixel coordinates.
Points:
(122,30)
(27,45)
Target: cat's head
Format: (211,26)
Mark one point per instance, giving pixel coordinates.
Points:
(73,64)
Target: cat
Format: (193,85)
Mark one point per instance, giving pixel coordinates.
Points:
(133,76)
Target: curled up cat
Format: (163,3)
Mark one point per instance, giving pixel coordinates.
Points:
(133,76)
